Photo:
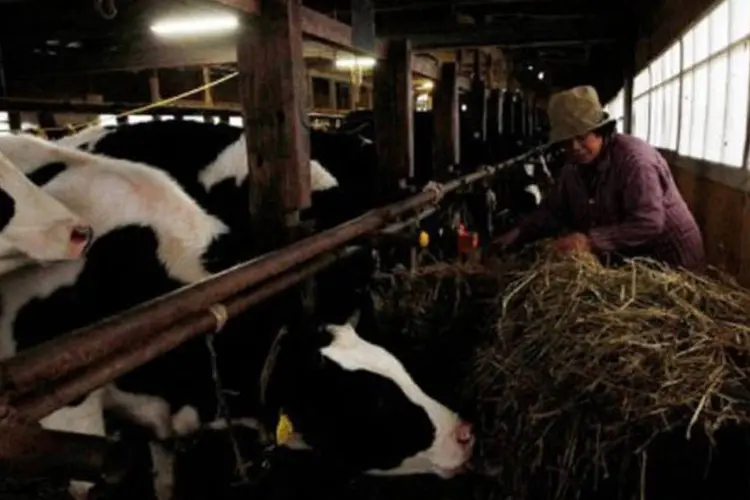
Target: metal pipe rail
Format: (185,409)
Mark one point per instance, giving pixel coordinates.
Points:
(48,362)
(60,393)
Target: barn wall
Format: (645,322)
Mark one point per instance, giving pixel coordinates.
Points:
(717,195)
(722,209)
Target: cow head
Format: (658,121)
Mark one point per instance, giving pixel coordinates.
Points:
(519,189)
(354,403)
(35,227)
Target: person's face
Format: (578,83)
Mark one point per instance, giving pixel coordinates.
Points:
(584,149)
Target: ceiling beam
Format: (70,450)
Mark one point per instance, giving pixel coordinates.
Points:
(144,55)
(505,42)
(433,35)
(320,27)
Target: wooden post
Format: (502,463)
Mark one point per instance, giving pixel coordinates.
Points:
(445,148)
(493,114)
(627,120)
(478,106)
(493,123)
(393,113)
(310,92)
(153,85)
(333,95)
(208,95)
(273,93)
(14,120)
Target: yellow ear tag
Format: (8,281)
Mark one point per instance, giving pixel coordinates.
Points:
(284,429)
(424,239)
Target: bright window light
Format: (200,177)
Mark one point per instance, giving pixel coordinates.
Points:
(236,121)
(427,85)
(195,26)
(355,62)
(140,118)
(193,118)
(107,120)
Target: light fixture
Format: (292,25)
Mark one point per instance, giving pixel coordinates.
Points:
(355,62)
(427,85)
(531,68)
(195,25)
(541,75)
(464,107)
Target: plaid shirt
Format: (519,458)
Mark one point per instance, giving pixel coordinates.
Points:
(627,204)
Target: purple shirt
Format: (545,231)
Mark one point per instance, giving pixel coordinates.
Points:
(627,203)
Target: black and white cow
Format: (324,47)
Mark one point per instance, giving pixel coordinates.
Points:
(35,228)
(517,190)
(331,378)
(210,162)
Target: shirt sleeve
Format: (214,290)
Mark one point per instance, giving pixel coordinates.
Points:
(549,217)
(643,203)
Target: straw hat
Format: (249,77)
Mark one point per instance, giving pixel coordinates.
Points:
(574,112)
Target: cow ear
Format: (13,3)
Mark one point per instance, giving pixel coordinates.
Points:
(353,320)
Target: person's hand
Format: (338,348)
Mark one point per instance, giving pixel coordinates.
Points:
(506,239)
(573,243)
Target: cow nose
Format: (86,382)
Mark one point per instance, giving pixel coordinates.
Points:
(464,434)
(80,240)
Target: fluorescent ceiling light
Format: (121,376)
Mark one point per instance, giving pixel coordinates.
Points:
(195,26)
(355,62)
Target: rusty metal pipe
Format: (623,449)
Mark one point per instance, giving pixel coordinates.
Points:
(63,355)
(59,394)
(83,346)
(29,449)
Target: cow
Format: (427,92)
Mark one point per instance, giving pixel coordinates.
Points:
(209,161)
(332,377)
(34,227)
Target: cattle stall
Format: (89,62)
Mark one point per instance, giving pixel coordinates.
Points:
(234,238)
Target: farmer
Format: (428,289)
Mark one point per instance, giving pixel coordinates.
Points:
(616,193)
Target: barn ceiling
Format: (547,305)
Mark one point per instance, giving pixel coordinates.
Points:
(567,41)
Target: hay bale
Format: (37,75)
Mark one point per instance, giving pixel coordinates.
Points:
(576,369)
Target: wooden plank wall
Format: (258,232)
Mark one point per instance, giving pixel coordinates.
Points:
(723,214)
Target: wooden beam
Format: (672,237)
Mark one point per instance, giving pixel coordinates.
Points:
(144,56)
(273,95)
(108,108)
(493,115)
(318,26)
(445,105)
(393,113)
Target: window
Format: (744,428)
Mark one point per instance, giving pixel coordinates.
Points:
(236,121)
(4,123)
(659,101)
(693,98)
(641,104)
(107,120)
(140,118)
(616,109)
